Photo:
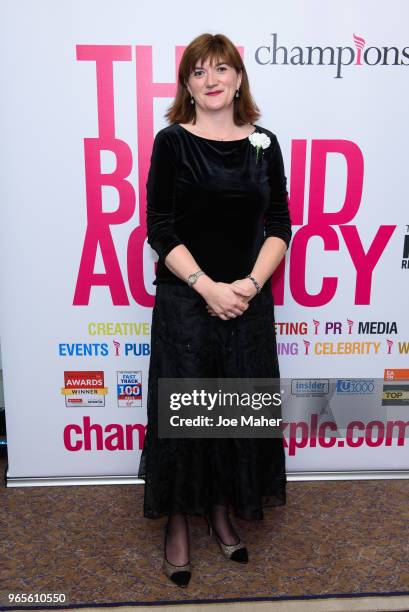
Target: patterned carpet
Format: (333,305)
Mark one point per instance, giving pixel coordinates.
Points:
(92,544)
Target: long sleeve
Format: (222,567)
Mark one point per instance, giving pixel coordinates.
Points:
(160,197)
(277,220)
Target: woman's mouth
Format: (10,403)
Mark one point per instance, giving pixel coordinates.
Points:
(213,93)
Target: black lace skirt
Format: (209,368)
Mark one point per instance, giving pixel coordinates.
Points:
(189,475)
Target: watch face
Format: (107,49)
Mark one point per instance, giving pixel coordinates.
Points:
(192,278)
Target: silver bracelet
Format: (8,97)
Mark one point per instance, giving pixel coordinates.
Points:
(257,286)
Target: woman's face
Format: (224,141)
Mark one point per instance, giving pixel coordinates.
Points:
(205,80)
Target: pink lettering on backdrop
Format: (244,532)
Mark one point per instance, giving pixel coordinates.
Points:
(320,224)
(98,231)
(365,262)
(355,178)
(146,92)
(313,219)
(298,265)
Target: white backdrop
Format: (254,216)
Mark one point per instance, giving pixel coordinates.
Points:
(85,87)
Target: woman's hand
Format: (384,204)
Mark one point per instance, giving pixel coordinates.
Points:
(224,300)
(244,289)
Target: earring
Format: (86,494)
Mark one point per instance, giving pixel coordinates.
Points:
(237,93)
(192,101)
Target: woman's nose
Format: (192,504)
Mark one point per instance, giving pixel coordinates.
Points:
(211,79)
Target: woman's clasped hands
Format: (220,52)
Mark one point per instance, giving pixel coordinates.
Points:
(229,300)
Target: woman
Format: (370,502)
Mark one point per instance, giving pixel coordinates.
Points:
(217,215)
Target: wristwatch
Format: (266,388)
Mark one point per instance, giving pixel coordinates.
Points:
(192,278)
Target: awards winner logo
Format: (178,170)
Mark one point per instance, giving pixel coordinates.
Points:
(84,388)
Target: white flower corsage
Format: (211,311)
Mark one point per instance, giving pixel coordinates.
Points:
(260,141)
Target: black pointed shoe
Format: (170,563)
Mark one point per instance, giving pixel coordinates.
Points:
(179,574)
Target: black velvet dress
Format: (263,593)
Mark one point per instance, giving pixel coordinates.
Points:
(221,199)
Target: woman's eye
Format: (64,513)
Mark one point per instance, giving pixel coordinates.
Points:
(200,72)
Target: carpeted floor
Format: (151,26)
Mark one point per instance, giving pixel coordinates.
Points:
(92,544)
